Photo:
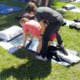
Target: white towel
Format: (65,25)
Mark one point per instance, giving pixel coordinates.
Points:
(69,58)
(68,22)
(8,46)
(76,10)
(10,32)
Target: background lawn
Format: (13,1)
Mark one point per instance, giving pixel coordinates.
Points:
(22,65)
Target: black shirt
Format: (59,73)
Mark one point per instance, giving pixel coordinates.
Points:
(46,13)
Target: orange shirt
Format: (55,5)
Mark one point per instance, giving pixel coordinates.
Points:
(33,27)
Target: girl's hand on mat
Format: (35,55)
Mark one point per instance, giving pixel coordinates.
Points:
(21,46)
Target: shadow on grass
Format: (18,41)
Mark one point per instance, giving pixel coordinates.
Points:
(31,70)
(8,20)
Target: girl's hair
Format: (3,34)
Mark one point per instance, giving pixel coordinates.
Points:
(23,20)
(31,7)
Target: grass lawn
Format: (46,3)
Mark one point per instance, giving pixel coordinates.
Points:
(22,65)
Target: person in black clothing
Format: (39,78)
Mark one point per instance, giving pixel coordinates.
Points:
(46,3)
(24,14)
(54,22)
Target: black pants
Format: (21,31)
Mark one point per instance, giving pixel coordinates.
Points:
(50,29)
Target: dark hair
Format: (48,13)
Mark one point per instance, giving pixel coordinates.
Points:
(31,7)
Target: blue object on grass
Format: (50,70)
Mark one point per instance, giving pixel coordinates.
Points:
(5,9)
(22,0)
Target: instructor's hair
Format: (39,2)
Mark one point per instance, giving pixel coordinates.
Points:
(31,7)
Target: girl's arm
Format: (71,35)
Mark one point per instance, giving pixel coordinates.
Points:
(46,3)
(40,1)
(42,27)
(24,41)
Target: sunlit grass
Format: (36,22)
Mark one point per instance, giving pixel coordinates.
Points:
(22,65)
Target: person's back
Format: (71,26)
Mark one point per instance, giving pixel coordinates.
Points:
(54,20)
(33,27)
(49,14)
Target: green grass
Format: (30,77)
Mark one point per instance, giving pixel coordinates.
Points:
(22,65)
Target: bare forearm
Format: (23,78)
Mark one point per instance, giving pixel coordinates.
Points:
(46,3)
(42,27)
(24,39)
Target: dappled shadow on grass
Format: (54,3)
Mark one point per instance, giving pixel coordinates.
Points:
(25,53)
(31,70)
(12,2)
(8,20)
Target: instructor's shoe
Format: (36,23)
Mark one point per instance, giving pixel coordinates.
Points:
(39,57)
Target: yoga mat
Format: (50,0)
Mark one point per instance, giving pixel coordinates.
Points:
(61,10)
(76,10)
(19,40)
(33,45)
(69,22)
(6,9)
(8,46)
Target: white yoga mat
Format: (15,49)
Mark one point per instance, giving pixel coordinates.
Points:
(68,22)
(8,46)
(75,10)
(19,40)
(60,10)
(34,44)
(68,60)
(61,62)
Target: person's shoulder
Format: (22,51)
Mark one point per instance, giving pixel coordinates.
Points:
(45,8)
(32,21)
(41,9)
